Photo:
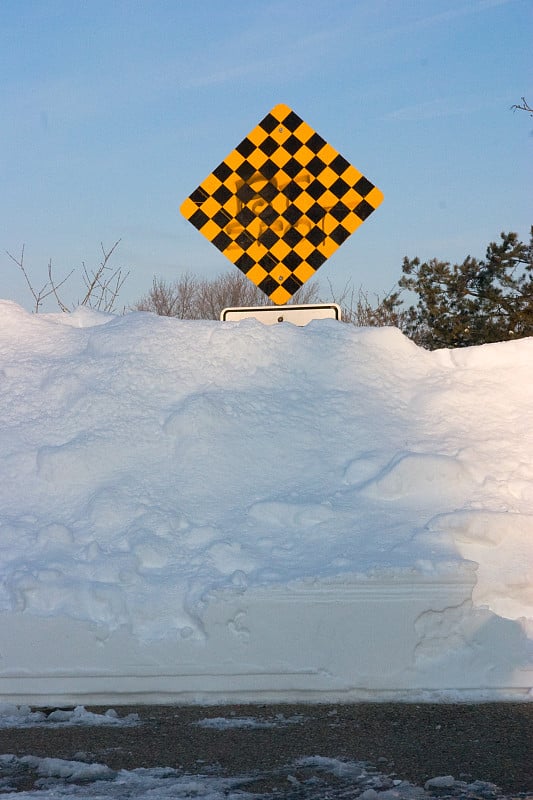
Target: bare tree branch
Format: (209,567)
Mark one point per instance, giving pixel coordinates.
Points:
(523,107)
(49,288)
(102,286)
(55,287)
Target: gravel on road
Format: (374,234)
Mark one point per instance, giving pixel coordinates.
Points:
(491,742)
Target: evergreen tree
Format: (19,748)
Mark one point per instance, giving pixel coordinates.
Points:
(478,301)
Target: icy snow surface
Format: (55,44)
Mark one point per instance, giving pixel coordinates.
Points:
(13,716)
(312,778)
(227,723)
(232,510)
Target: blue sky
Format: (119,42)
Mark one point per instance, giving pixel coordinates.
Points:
(113,111)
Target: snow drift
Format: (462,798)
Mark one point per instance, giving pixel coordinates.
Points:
(206,511)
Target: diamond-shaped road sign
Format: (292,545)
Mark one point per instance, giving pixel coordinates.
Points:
(281,203)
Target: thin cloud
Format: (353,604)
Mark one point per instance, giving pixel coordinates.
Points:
(443,107)
(288,59)
(442,17)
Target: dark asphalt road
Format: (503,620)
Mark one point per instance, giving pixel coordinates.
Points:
(491,742)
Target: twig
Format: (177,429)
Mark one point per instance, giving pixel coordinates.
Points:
(524,107)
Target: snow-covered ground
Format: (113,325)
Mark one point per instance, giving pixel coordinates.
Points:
(202,511)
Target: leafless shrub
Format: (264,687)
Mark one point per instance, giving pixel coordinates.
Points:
(171,299)
(189,297)
(101,286)
(357,308)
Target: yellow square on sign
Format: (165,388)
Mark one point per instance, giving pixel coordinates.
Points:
(281,203)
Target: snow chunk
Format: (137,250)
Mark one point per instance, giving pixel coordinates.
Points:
(228,723)
(71,771)
(425,476)
(13,716)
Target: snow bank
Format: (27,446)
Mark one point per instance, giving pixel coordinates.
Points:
(220,511)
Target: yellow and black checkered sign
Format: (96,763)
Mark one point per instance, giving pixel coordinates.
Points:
(281,203)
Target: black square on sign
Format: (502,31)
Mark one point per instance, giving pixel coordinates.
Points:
(222,172)
(292,145)
(268,169)
(268,192)
(199,219)
(292,168)
(292,237)
(245,193)
(268,262)
(339,235)
(199,196)
(245,147)
(363,210)
(292,190)
(292,121)
(339,211)
(316,212)
(363,186)
(339,188)
(291,284)
(339,164)
(268,285)
(316,189)
(245,240)
(316,165)
(268,215)
(268,123)
(245,216)
(269,146)
(316,236)
(292,214)
(315,143)
(245,170)
(316,259)
(245,263)
(222,195)
(221,241)
(268,238)
(292,260)
(222,218)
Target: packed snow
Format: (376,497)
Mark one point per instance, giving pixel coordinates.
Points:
(232,723)
(215,509)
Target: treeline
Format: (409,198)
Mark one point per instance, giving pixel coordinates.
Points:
(480,300)
(190,297)
(457,305)
(475,302)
